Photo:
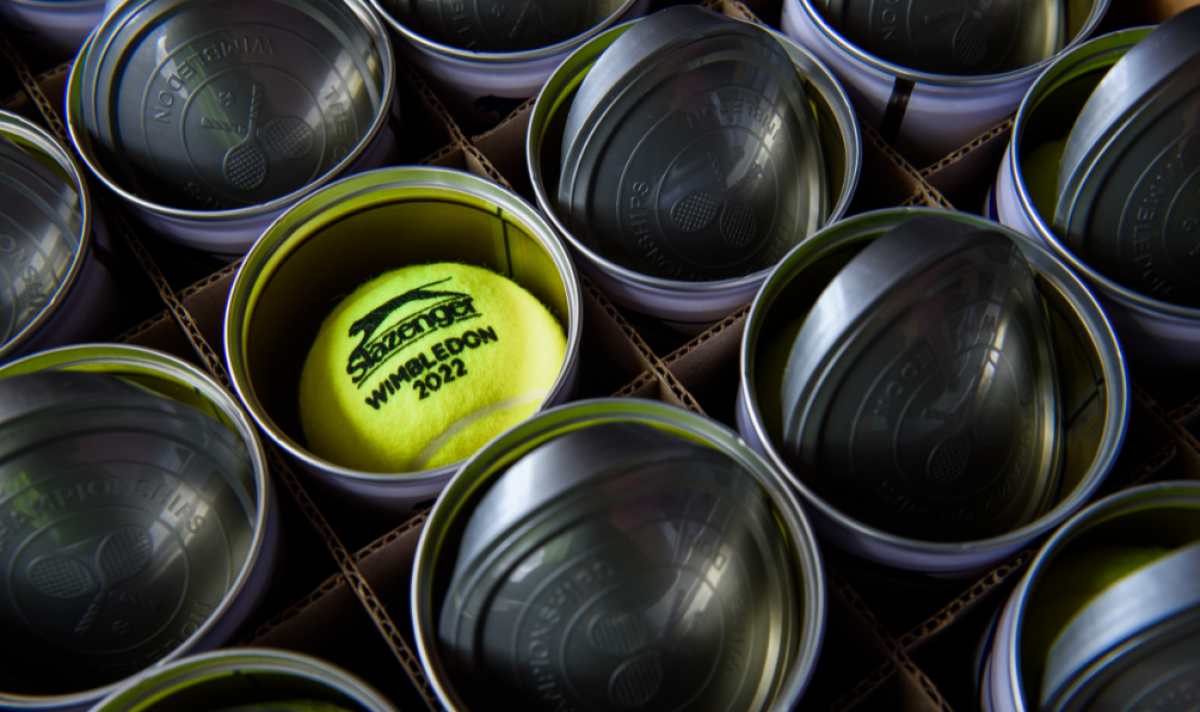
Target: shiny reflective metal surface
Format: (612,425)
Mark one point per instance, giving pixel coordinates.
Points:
(346,233)
(1127,188)
(690,152)
(127,518)
(220,105)
(949,37)
(1133,628)
(41,234)
(920,394)
(134,472)
(245,679)
(489,26)
(617,554)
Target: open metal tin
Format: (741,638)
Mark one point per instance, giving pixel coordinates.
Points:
(1093,393)
(688,305)
(245,679)
(1126,184)
(927,115)
(1156,515)
(655,551)
(53,290)
(210,117)
(126,556)
(691,151)
(925,370)
(349,232)
(1151,330)
(480,83)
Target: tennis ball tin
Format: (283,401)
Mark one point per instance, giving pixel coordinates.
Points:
(1152,328)
(486,58)
(352,231)
(942,101)
(210,117)
(690,304)
(1092,398)
(53,289)
(246,680)
(618,553)
(54,29)
(139,523)
(1101,653)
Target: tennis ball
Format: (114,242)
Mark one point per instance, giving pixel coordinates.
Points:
(1069,583)
(1040,169)
(421,366)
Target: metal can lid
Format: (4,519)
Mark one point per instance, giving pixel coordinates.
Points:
(631,566)
(920,394)
(1132,83)
(1122,620)
(696,155)
(949,37)
(128,521)
(221,105)
(40,233)
(1128,183)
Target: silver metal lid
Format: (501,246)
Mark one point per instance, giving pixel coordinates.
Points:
(691,151)
(221,105)
(920,393)
(41,226)
(951,37)
(489,26)
(1129,184)
(125,522)
(1128,628)
(620,566)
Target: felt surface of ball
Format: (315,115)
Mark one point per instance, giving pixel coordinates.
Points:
(1040,169)
(421,366)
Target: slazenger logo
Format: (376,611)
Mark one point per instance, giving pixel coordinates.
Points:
(375,349)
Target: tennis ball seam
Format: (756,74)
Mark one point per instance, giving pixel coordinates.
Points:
(532,396)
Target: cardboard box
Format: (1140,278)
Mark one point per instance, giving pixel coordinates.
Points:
(893,641)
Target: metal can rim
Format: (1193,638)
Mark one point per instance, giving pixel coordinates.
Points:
(45,142)
(547,102)
(445,50)
(1114,504)
(274,245)
(1099,7)
(196,668)
(167,366)
(858,227)
(1124,295)
(81,139)
(498,453)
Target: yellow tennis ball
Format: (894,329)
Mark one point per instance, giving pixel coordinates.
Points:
(421,366)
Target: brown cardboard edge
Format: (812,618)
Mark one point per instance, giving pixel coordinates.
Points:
(930,626)
(410,527)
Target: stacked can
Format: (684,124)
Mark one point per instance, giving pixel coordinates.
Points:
(1101,169)
(139,524)
(940,389)
(1106,616)
(486,58)
(347,233)
(211,118)
(53,30)
(695,152)
(53,289)
(618,554)
(933,76)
